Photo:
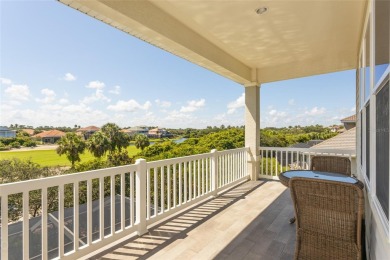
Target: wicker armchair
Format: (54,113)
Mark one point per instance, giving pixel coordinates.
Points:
(329,219)
(331,164)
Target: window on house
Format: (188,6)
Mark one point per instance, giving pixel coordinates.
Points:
(367,63)
(382,38)
(368,140)
(382,148)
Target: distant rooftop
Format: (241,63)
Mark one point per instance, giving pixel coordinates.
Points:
(349,119)
(88,128)
(51,133)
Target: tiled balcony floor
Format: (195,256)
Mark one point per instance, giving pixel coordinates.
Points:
(249,221)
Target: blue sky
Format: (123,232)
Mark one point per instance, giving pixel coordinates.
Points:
(60,67)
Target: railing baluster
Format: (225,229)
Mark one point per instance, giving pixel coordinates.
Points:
(169,186)
(4,227)
(194,173)
(101,207)
(155,172)
(123,201)
(261,162)
(203,184)
(26,228)
(174,186)
(148,194)
(112,184)
(207,175)
(43,224)
(89,211)
(162,190)
(180,185)
(199,176)
(132,208)
(76,216)
(190,180)
(185,182)
(61,221)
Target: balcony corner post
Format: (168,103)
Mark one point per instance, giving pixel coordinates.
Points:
(252,128)
(214,171)
(140,205)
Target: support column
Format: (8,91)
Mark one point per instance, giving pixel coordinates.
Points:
(252,128)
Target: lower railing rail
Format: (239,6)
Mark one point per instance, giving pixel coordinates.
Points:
(70,216)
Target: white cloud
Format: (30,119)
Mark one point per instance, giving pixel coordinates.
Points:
(48,92)
(238,103)
(116,90)
(95,85)
(129,106)
(291,102)
(63,101)
(193,105)
(353,109)
(274,112)
(5,81)
(49,96)
(315,111)
(81,108)
(176,116)
(69,77)
(162,103)
(97,96)
(19,92)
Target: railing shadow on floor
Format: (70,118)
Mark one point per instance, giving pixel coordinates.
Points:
(268,236)
(178,226)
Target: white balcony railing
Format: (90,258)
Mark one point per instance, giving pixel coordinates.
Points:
(82,212)
(274,160)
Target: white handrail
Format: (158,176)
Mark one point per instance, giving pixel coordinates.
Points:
(129,198)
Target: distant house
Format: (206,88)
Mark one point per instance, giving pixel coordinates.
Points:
(30,132)
(349,122)
(86,132)
(159,133)
(5,132)
(50,137)
(132,131)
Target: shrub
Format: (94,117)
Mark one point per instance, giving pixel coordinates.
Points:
(30,143)
(4,147)
(15,144)
(90,165)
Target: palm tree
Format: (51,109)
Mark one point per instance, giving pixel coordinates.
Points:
(141,141)
(117,139)
(98,144)
(72,146)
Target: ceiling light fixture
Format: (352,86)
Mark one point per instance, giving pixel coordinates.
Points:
(261,10)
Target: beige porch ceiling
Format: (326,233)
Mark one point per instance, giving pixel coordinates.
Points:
(294,38)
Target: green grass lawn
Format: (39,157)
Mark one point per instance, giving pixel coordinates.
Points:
(51,158)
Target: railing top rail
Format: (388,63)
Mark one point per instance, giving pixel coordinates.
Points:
(233,150)
(171,161)
(311,150)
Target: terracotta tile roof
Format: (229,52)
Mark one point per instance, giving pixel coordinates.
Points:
(88,128)
(28,131)
(349,119)
(51,133)
(346,140)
